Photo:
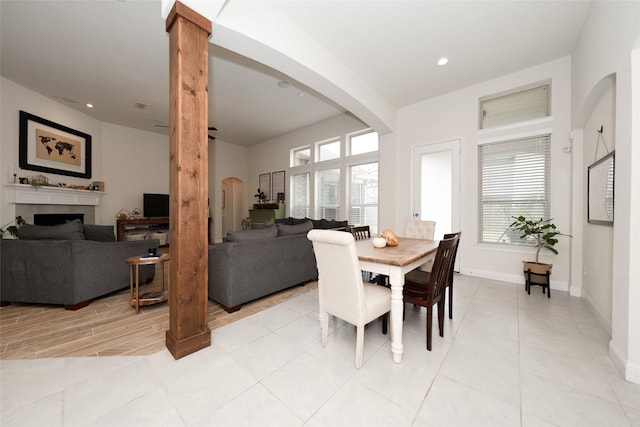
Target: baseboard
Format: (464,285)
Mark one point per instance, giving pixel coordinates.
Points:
(492,275)
(606,324)
(633,373)
(575,291)
(518,279)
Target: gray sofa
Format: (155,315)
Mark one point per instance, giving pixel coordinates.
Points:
(256,263)
(68,264)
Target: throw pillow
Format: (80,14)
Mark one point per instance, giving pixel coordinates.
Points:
(288,230)
(248,235)
(71,230)
(99,233)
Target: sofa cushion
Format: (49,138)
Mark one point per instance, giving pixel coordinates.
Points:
(325,224)
(292,221)
(288,230)
(248,235)
(72,230)
(99,233)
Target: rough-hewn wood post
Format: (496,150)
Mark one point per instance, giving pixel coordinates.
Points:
(189,68)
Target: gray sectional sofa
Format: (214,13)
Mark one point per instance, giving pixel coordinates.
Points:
(256,263)
(67,264)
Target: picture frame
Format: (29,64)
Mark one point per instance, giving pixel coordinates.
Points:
(49,147)
(264,184)
(278,184)
(600,190)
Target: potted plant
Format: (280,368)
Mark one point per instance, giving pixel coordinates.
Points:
(12,229)
(543,233)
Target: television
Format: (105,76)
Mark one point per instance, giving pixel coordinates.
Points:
(155,205)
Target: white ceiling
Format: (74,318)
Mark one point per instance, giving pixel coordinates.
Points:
(114,54)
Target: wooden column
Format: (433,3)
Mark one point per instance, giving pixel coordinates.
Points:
(188,180)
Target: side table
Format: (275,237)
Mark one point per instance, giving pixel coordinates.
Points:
(134,281)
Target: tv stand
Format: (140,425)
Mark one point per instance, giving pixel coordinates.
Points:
(125,225)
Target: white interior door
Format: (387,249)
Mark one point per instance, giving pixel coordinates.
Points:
(436,185)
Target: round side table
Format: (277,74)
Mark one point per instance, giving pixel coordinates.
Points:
(147,298)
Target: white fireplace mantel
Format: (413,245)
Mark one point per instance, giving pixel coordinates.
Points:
(32,195)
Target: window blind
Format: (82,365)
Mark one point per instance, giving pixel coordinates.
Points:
(516,107)
(513,180)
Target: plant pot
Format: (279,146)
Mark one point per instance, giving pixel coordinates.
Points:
(539,269)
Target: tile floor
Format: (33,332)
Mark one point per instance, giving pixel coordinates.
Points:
(507,359)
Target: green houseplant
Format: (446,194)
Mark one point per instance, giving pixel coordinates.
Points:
(11,229)
(543,233)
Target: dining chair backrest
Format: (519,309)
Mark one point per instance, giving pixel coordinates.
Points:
(340,286)
(439,276)
(417,229)
(455,251)
(360,232)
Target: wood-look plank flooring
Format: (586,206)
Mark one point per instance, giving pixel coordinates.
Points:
(108,326)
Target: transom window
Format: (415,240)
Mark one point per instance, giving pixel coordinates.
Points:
(515,107)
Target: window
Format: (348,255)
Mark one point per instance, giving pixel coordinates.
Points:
(513,179)
(300,195)
(363,196)
(519,106)
(300,156)
(336,179)
(364,143)
(329,150)
(329,194)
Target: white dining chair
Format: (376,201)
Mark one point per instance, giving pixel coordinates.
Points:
(417,229)
(341,291)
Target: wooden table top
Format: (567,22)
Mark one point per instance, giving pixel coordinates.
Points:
(139,260)
(407,251)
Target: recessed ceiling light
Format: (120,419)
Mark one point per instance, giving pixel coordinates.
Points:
(89,105)
(283,84)
(443,61)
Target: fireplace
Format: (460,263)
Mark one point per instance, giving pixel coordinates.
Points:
(56,218)
(31,201)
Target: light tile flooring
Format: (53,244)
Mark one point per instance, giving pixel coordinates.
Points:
(507,359)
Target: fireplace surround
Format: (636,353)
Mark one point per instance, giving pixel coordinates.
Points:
(30,200)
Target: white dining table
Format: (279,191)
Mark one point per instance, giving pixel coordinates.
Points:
(395,262)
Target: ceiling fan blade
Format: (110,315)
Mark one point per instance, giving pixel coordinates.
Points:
(211,137)
(212,128)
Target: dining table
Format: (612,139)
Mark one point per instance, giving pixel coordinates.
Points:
(395,262)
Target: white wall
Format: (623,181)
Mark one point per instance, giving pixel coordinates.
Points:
(455,116)
(225,161)
(597,240)
(134,162)
(130,162)
(15,98)
(609,45)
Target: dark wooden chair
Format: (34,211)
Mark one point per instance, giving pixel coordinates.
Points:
(428,288)
(450,280)
(360,232)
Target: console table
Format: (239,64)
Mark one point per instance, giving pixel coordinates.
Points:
(266,213)
(140,224)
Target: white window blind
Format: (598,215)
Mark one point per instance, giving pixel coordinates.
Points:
(300,195)
(363,196)
(513,180)
(515,107)
(328,194)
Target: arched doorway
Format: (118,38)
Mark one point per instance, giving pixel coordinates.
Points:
(232,204)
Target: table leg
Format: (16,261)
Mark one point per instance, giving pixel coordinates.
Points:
(137,288)
(396,279)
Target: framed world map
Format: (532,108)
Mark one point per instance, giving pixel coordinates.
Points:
(50,147)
